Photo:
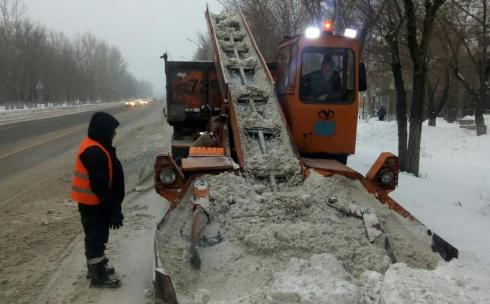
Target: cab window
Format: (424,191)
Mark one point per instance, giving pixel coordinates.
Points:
(327,75)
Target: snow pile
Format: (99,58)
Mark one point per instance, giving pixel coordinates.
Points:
(320,280)
(295,220)
(457,282)
(256,239)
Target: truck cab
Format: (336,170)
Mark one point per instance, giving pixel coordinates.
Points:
(318,81)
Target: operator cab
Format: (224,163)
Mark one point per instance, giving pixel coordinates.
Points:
(318,80)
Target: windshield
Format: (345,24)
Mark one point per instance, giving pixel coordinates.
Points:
(327,75)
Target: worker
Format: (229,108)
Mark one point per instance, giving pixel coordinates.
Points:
(381,113)
(323,85)
(98,187)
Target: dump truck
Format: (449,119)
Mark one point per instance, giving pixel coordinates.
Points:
(258,178)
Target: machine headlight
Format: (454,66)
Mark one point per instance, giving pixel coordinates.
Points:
(387,178)
(312,32)
(168,176)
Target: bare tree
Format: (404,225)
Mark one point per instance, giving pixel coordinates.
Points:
(470,39)
(11,13)
(418,37)
(390,28)
(359,14)
(84,68)
(439,76)
(271,20)
(204,49)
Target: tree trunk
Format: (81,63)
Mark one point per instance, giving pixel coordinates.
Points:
(431,92)
(416,119)
(401,114)
(419,53)
(481,129)
(484,73)
(401,100)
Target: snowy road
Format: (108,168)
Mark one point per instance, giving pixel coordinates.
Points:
(24,144)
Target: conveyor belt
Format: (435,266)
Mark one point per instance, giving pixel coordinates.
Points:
(264,146)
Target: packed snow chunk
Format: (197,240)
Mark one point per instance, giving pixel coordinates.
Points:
(248,63)
(371,287)
(226,21)
(451,283)
(229,46)
(320,280)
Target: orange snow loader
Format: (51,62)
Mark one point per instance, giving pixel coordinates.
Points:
(312,91)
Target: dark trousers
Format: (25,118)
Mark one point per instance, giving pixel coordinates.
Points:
(95,222)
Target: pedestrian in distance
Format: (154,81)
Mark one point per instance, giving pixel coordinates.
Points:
(98,188)
(381,113)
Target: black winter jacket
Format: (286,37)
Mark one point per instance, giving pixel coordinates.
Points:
(101,129)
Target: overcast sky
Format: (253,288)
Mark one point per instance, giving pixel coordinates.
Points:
(142,29)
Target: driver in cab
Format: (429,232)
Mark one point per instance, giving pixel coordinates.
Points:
(324,84)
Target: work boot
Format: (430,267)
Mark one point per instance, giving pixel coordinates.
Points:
(100,279)
(108,269)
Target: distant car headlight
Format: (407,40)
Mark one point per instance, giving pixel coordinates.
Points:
(168,176)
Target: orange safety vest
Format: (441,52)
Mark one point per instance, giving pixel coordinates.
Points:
(80,184)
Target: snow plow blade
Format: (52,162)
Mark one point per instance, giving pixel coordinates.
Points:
(178,222)
(386,163)
(163,288)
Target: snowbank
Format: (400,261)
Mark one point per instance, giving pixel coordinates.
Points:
(42,111)
(456,282)
(322,280)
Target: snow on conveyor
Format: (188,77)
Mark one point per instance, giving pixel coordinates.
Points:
(265,142)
